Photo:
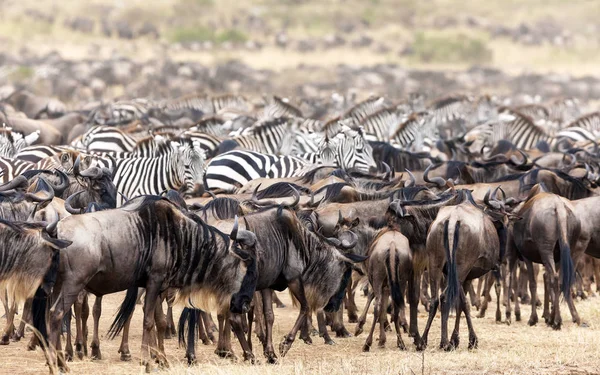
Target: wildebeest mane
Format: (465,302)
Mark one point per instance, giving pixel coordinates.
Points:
(281,189)
(222,208)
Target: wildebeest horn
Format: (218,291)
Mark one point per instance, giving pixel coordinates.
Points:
(255,193)
(312,203)
(516,162)
(45,196)
(212,195)
(76,165)
(387,174)
(340,217)
(412,181)
(347,244)
(334,241)
(51,228)
(486,199)
(234,231)
(69,206)
(440,182)
(64,182)
(15,182)
(93,172)
(296,195)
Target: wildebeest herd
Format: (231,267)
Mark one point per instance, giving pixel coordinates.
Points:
(214,202)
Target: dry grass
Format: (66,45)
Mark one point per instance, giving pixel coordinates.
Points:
(514,349)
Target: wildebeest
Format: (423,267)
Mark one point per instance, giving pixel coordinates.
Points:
(150,243)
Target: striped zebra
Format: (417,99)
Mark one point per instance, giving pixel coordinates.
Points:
(457,113)
(378,124)
(585,128)
(64,161)
(513,126)
(212,125)
(363,109)
(209,143)
(183,167)
(307,137)
(233,169)
(34,154)
(11,142)
(107,139)
(272,136)
(415,133)
(201,103)
(280,107)
(229,102)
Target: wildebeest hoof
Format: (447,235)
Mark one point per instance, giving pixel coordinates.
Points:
(401,345)
(473,343)
(68,357)
(454,341)
(285,345)
(329,341)
(315,332)
(4,340)
(446,346)
(206,341)
(343,333)
(125,356)
(366,348)
(352,318)
(167,335)
(225,354)
(526,299)
(307,340)
(498,317)
(271,358)
(518,316)
(420,344)
(532,321)
(191,359)
(79,354)
(96,353)
(584,325)
(556,325)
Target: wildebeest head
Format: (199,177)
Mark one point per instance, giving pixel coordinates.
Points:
(97,187)
(242,246)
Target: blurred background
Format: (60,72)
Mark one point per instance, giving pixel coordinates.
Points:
(82,50)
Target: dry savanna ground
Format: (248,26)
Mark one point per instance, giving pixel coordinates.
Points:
(503,349)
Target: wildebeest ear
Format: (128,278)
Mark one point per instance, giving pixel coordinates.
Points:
(355,222)
(57,244)
(355,258)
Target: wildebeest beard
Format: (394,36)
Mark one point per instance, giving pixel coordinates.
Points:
(200,264)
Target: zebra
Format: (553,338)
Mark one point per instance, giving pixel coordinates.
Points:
(119,113)
(460,112)
(107,139)
(183,167)
(585,128)
(363,109)
(212,125)
(229,102)
(209,143)
(378,124)
(272,136)
(415,133)
(64,161)
(12,142)
(34,154)
(280,107)
(233,169)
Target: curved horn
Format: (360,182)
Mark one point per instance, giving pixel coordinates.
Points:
(47,195)
(517,163)
(64,182)
(297,197)
(486,199)
(412,181)
(587,171)
(69,206)
(76,165)
(255,193)
(340,217)
(234,231)
(51,228)
(15,182)
(440,182)
(349,244)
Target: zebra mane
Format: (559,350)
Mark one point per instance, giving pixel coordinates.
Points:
(364,107)
(578,122)
(286,106)
(448,100)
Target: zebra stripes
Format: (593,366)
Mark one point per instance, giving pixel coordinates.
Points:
(280,107)
(266,136)
(363,109)
(234,169)
(107,139)
(183,167)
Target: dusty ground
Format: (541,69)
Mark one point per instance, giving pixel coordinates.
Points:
(514,349)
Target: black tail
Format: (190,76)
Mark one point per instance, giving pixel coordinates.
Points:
(453,285)
(189,316)
(567,268)
(40,299)
(336,300)
(394,276)
(124,312)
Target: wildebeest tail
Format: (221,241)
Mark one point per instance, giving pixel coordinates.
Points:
(453,285)
(567,268)
(392,266)
(190,317)
(40,299)
(124,313)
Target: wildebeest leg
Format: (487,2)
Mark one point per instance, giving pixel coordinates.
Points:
(533,319)
(323,328)
(396,318)
(521,290)
(553,278)
(25,319)
(369,341)
(305,331)
(209,324)
(269,319)
(277,301)
(475,300)
(96,312)
(124,348)
(81,300)
(222,349)
(486,292)
(435,302)
(455,338)
(338,323)
(547,297)
(161,328)
(424,295)
(467,310)
(572,309)
(596,267)
(170,321)
(497,287)
(150,304)
(9,329)
(259,318)
(85,314)
(238,329)
(350,303)
(297,289)
(385,296)
(414,286)
(68,353)
(363,316)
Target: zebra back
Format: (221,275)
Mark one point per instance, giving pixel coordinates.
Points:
(280,107)
(107,139)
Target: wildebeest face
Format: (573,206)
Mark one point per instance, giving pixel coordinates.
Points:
(242,245)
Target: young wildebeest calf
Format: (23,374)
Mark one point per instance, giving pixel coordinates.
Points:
(464,241)
(151,243)
(389,267)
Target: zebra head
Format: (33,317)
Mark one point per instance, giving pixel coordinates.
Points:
(354,152)
(192,157)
